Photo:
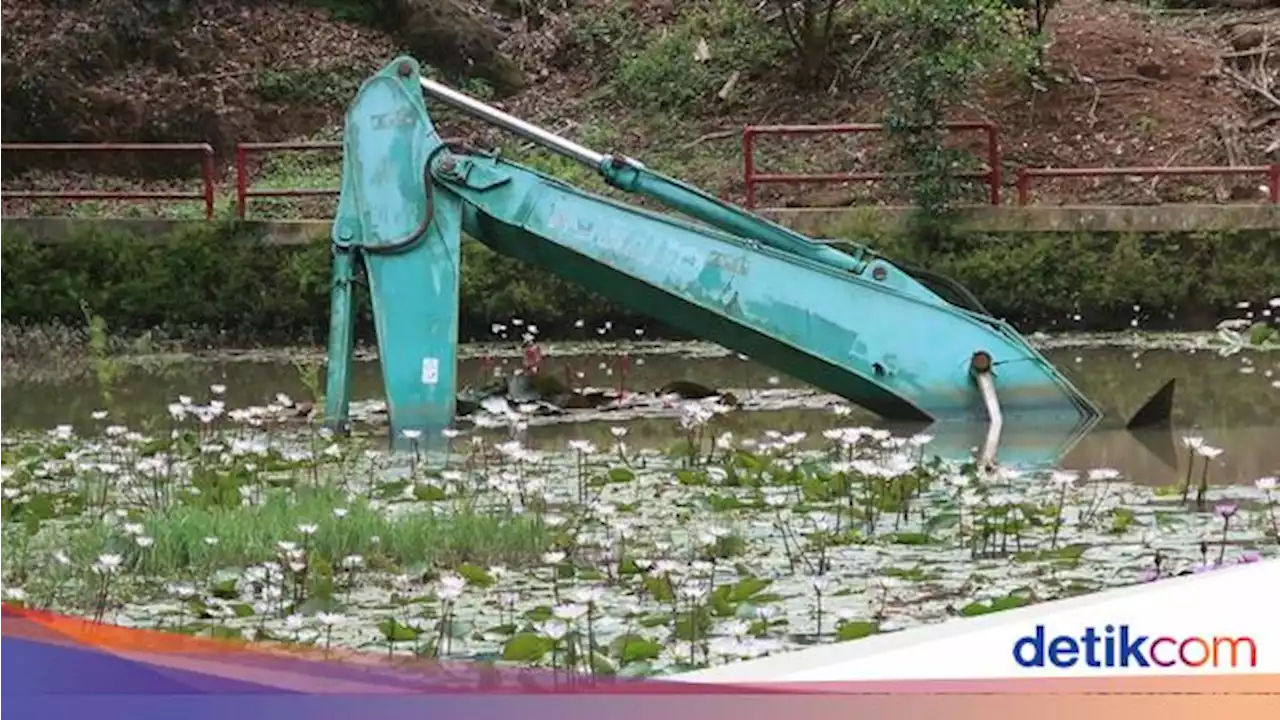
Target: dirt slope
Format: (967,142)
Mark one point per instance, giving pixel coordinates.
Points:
(1131,88)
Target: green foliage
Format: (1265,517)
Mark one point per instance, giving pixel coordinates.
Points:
(600,37)
(527,648)
(666,74)
(223,284)
(950,45)
(812,28)
(1034,15)
(856,630)
(223,277)
(205,276)
(250,534)
(309,87)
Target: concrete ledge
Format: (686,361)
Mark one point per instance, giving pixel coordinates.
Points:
(53,230)
(817,222)
(848,222)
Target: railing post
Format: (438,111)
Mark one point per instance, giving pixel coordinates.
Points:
(996,178)
(749,165)
(207,168)
(1273,183)
(242,181)
(1024,186)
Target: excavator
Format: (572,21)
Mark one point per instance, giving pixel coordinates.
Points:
(906,344)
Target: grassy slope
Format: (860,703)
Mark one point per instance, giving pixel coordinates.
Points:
(620,75)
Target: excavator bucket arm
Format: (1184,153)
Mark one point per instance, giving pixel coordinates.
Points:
(902,342)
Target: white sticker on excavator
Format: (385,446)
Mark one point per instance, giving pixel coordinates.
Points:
(430,371)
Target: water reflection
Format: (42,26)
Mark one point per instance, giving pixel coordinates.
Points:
(1229,401)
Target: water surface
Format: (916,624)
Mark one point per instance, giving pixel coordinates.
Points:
(1233,402)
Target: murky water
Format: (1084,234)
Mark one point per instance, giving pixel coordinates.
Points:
(1232,402)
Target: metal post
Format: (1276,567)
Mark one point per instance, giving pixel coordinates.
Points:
(528,131)
(207,169)
(1273,183)
(242,181)
(749,165)
(996,178)
(980,366)
(1024,186)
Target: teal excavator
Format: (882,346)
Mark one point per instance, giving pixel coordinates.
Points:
(903,343)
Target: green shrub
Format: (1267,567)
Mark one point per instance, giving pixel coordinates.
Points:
(223,280)
(664,76)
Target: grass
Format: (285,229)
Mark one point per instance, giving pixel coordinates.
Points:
(248,535)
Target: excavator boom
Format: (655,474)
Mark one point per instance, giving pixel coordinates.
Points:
(849,322)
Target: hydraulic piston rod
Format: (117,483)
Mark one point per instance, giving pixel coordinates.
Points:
(981,368)
(631,175)
(528,131)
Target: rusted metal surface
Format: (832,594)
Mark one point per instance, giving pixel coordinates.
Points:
(1270,172)
(207,193)
(752,178)
(243,189)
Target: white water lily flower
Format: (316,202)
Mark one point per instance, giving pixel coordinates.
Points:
(329,619)
(569,612)
(1063,477)
(451,586)
(553,629)
(1265,483)
(182,591)
(1208,451)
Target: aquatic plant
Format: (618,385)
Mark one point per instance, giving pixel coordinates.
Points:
(592,560)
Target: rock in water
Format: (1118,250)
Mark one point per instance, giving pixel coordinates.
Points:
(583,400)
(531,387)
(687,390)
(496,405)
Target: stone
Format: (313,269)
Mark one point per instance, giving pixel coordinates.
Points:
(1247,37)
(446,35)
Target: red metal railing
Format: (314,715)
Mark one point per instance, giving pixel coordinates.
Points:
(244,192)
(752,179)
(207,192)
(992,174)
(1271,172)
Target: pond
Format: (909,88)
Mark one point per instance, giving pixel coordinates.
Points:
(1231,400)
(640,541)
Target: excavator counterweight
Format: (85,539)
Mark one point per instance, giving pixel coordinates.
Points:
(848,321)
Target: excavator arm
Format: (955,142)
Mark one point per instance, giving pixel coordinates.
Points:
(850,322)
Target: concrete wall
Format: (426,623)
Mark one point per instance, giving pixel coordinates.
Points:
(819,223)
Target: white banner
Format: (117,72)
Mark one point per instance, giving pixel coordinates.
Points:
(1220,622)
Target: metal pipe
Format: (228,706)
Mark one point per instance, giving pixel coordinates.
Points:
(987,386)
(528,131)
